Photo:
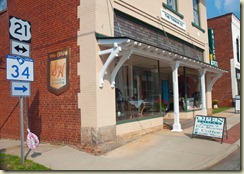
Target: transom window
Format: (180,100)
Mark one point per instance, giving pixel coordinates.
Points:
(196,12)
(3,5)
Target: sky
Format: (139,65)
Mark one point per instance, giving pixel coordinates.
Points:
(220,7)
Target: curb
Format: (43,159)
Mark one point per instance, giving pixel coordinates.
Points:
(217,158)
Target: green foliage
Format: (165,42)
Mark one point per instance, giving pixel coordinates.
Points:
(10,162)
(217,110)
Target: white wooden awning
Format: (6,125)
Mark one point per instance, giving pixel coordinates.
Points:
(125,47)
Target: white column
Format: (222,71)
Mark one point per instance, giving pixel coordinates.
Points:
(203,90)
(177,125)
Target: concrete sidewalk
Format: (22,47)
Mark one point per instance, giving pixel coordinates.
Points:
(161,150)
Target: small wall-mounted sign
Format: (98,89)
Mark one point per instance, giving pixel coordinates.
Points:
(214,63)
(172,19)
(58,71)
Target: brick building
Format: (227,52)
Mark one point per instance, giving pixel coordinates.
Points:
(102,68)
(227,50)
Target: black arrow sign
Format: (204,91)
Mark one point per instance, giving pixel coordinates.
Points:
(23,49)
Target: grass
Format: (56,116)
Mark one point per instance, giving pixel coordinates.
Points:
(217,110)
(10,162)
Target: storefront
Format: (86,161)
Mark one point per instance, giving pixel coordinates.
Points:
(128,65)
(149,81)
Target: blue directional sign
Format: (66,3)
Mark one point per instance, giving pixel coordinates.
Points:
(19,68)
(20,89)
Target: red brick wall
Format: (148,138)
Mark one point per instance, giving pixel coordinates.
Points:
(224,52)
(54,28)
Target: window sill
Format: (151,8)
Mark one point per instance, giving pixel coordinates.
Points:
(173,11)
(136,120)
(3,11)
(198,27)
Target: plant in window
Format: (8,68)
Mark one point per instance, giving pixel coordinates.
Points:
(164,105)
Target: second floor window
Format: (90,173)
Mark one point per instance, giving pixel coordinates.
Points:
(237,50)
(3,5)
(196,12)
(172,4)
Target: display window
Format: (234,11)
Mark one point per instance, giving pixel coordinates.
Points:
(144,89)
(189,89)
(137,90)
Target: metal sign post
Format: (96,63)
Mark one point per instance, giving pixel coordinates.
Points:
(19,67)
(21,130)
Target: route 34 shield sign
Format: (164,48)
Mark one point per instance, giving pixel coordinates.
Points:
(58,71)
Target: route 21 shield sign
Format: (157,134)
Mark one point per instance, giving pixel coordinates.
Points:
(58,72)
(19,29)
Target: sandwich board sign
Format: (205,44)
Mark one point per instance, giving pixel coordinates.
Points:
(210,126)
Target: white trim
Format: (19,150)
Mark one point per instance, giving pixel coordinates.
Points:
(125,47)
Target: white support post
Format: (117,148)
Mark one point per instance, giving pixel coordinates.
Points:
(203,90)
(177,125)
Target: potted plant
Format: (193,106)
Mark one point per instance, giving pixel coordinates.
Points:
(163,105)
(215,103)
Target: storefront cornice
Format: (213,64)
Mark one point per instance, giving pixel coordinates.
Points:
(130,46)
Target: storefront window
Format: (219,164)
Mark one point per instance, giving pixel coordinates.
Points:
(137,90)
(189,89)
(238,78)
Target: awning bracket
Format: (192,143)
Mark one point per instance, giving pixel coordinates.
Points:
(113,53)
(126,56)
(212,81)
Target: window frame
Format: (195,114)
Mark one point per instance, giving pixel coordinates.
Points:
(196,3)
(197,10)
